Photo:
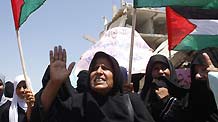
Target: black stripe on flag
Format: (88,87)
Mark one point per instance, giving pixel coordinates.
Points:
(196,13)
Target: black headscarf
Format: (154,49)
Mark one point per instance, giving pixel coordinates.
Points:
(202,101)
(46,77)
(154,104)
(114,106)
(117,75)
(172,84)
(82,82)
(9,89)
(124,73)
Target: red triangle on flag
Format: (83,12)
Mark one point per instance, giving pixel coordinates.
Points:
(16,7)
(178,28)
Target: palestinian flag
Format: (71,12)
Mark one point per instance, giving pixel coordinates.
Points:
(22,9)
(192,28)
(162,3)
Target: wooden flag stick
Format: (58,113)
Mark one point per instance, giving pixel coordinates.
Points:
(132,44)
(170,56)
(22,59)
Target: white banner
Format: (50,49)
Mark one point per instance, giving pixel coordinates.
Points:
(116,42)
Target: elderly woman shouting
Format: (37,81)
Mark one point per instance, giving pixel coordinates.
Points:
(102,102)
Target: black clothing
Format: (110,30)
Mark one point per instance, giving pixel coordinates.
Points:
(4,116)
(90,106)
(84,107)
(64,92)
(3,108)
(136,80)
(202,103)
(9,89)
(82,82)
(170,108)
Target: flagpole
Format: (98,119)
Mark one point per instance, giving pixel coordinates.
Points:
(170,56)
(168,32)
(22,58)
(132,44)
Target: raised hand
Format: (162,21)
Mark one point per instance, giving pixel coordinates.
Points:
(58,71)
(58,74)
(210,67)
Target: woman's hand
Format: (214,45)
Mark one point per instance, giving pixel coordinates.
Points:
(128,87)
(29,97)
(58,75)
(210,67)
(58,71)
(162,92)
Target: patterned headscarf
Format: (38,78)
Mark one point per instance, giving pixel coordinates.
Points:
(2,78)
(3,99)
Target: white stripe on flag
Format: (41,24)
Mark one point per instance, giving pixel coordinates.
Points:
(205,27)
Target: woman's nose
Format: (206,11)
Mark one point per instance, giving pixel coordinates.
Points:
(161,71)
(22,89)
(99,70)
(198,76)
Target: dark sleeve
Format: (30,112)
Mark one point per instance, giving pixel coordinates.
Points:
(141,113)
(4,116)
(214,117)
(21,115)
(64,93)
(39,115)
(174,110)
(4,112)
(62,109)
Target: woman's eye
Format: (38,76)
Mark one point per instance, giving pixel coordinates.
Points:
(156,68)
(104,68)
(19,87)
(96,67)
(24,87)
(164,67)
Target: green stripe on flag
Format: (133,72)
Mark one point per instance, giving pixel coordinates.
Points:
(29,7)
(209,4)
(197,42)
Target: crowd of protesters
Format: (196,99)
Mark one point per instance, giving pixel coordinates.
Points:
(103,93)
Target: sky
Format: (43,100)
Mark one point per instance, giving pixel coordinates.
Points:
(56,22)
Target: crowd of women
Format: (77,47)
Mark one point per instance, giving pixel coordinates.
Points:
(103,95)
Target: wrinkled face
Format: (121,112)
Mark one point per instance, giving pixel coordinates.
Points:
(200,72)
(159,69)
(20,89)
(101,78)
(1,87)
